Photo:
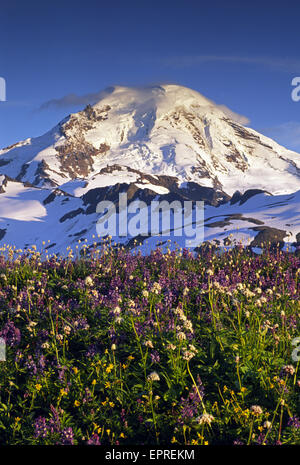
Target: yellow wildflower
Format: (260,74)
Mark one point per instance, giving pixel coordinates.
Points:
(109,368)
(97,428)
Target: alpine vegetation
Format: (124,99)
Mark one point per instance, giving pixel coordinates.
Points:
(108,346)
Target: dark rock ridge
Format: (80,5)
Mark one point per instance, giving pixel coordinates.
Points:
(268,237)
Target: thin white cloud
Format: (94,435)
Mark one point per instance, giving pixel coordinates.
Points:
(75,100)
(283,64)
(241,119)
(142,91)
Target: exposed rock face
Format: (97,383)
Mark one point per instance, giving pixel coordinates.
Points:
(268,237)
(242,198)
(2,233)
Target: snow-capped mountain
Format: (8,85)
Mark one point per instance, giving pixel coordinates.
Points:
(167,130)
(157,142)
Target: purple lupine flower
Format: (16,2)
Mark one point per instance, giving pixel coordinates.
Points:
(94,440)
(41,363)
(93,350)
(190,405)
(155,358)
(87,397)
(261,439)
(30,365)
(294,422)
(11,334)
(40,427)
(67,436)
(237,442)
(80,323)
(61,373)
(54,422)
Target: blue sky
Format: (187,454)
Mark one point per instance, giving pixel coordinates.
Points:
(240,54)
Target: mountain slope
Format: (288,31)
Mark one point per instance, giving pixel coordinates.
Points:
(158,143)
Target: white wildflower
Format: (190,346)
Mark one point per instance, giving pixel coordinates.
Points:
(288,369)
(256,409)
(67,329)
(156,288)
(153,376)
(181,336)
(205,419)
(116,311)
(149,344)
(171,347)
(188,355)
(88,281)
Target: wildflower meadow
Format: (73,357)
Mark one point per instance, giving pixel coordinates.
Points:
(112,347)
